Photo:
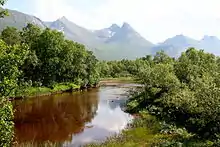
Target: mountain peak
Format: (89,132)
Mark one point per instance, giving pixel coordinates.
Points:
(126,26)
(63,18)
(180,36)
(113,26)
(206,37)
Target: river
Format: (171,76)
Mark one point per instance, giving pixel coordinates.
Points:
(72,119)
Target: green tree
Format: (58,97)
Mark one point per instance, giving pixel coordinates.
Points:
(53,59)
(11,58)
(6,113)
(11,36)
(3,12)
(30,34)
(184,91)
(161,57)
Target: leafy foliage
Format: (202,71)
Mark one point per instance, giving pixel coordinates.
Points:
(6,123)
(123,68)
(8,73)
(184,91)
(4,12)
(11,36)
(47,58)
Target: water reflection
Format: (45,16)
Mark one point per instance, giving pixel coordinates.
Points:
(71,119)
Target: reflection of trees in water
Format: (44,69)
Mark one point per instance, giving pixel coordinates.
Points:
(54,118)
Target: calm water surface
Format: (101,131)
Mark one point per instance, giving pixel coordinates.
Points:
(72,119)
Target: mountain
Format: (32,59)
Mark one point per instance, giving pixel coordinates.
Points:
(210,44)
(123,42)
(106,33)
(127,35)
(74,32)
(19,20)
(114,42)
(110,43)
(176,45)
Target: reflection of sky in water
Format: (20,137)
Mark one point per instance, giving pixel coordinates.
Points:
(110,119)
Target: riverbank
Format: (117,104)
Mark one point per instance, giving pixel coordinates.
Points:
(147,131)
(64,87)
(105,81)
(45,91)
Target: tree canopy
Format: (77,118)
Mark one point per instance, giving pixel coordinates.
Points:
(184,91)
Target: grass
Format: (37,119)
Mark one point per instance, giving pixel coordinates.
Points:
(64,87)
(39,91)
(45,144)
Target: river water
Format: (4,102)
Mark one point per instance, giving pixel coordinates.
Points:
(72,119)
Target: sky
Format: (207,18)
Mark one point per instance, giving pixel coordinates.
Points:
(156,20)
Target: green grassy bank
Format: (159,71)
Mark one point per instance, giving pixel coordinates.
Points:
(42,91)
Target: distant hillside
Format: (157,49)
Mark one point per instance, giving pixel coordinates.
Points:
(176,45)
(210,44)
(19,20)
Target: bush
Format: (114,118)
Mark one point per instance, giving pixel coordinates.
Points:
(6,123)
(185,91)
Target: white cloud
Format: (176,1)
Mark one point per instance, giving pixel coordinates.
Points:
(156,20)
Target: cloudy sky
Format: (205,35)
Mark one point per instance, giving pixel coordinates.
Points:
(155,20)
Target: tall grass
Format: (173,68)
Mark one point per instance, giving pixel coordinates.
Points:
(38,91)
(32,144)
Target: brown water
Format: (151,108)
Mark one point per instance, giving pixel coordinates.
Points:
(72,119)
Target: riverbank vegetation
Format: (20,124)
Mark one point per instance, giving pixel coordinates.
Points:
(148,131)
(123,69)
(184,92)
(6,83)
(42,91)
(44,58)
